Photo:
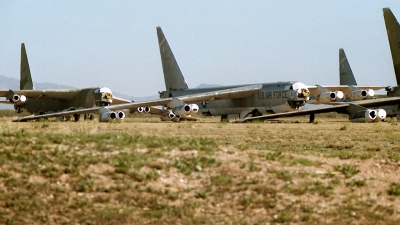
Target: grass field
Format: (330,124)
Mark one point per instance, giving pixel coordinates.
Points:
(143,171)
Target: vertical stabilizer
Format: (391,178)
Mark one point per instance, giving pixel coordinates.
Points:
(345,73)
(393,32)
(26,78)
(173,76)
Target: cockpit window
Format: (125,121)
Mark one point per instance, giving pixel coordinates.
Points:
(299,86)
(288,87)
(102,90)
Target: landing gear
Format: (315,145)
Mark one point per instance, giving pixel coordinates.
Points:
(224,118)
(18,108)
(77,117)
(88,117)
(312,117)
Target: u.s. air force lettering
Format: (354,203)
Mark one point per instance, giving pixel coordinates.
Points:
(275,94)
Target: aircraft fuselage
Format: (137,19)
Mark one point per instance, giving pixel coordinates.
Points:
(272,98)
(85,98)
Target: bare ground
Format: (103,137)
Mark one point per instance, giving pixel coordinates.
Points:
(286,171)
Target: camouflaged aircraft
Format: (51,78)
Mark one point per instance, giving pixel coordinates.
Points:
(271,98)
(64,103)
(358,111)
(48,101)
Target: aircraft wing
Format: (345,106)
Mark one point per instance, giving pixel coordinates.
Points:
(48,94)
(298,113)
(6,102)
(116,100)
(343,88)
(334,107)
(232,93)
(239,92)
(380,95)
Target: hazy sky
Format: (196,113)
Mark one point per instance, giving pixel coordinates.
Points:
(114,43)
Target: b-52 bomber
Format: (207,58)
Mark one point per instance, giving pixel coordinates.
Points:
(364,110)
(393,33)
(49,101)
(272,98)
(74,102)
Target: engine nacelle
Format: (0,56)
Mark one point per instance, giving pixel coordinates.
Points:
(195,108)
(167,116)
(328,97)
(18,100)
(369,115)
(140,110)
(381,114)
(108,116)
(121,115)
(361,94)
(187,109)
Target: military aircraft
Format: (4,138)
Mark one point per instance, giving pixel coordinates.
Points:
(279,97)
(358,110)
(347,78)
(48,101)
(74,102)
(172,107)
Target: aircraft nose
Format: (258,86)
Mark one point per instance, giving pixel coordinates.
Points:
(107,95)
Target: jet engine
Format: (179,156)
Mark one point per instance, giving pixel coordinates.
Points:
(328,97)
(140,109)
(361,94)
(167,116)
(369,115)
(186,109)
(18,100)
(110,115)
(381,114)
(121,115)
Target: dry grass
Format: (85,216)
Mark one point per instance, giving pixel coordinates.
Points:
(206,172)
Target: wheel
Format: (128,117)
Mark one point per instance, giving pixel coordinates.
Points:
(224,118)
(77,117)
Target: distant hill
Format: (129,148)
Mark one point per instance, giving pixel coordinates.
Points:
(12,83)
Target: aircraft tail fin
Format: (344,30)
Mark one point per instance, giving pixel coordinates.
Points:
(393,32)
(345,73)
(174,79)
(26,82)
